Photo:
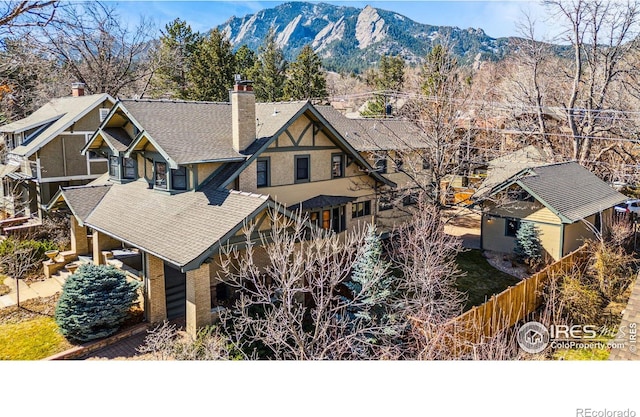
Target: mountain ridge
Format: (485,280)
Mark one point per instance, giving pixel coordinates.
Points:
(348,38)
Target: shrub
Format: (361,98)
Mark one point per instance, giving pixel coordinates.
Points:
(612,269)
(580,303)
(94,302)
(22,257)
(528,247)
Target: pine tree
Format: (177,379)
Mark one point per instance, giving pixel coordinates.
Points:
(438,71)
(306,78)
(371,284)
(388,77)
(212,69)
(528,246)
(94,302)
(174,54)
(270,70)
(245,62)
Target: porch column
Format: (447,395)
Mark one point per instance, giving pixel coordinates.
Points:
(156,305)
(198,298)
(101,242)
(79,241)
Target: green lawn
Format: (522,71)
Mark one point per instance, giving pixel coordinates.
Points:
(481,280)
(33,339)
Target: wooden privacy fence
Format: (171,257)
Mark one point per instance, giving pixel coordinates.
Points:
(504,310)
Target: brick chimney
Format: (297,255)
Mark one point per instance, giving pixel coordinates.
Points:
(243,114)
(77,89)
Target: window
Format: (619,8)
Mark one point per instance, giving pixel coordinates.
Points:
(160,175)
(302,168)
(511,227)
(398,163)
(411,198)
(95,155)
(360,209)
(314,218)
(129,171)
(179,178)
(103,114)
(337,165)
(114,166)
(386,201)
(330,219)
(381,165)
(262,168)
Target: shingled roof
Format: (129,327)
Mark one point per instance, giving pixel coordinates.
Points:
(188,131)
(569,190)
(81,200)
(180,228)
(376,134)
(53,118)
(117,137)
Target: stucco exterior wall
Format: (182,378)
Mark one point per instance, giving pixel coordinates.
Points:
(76,163)
(51,159)
(576,234)
(204,170)
(495,239)
(91,120)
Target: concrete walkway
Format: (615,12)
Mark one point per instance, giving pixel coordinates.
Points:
(45,288)
(465,224)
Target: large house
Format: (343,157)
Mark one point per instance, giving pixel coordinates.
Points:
(184,178)
(566,202)
(42,151)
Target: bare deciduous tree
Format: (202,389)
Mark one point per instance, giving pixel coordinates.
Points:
(20,14)
(294,304)
(99,49)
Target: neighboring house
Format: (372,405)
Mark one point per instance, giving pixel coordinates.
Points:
(186,177)
(565,201)
(500,169)
(42,151)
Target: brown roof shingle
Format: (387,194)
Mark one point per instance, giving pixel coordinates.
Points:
(83,200)
(188,131)
(178,228)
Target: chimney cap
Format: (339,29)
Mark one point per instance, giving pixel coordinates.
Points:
(77,84)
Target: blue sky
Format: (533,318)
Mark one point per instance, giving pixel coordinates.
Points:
(496,18)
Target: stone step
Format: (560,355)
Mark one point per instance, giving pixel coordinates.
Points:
(61,276)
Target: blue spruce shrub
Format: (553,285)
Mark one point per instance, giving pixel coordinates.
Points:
(94,302)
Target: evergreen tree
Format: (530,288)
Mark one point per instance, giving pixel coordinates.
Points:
(306,78)
(174,54)
(94,302)
(212,69)
(437,72)
(528,246)
(388,77)
(371,285)
(270,70)
(245,62)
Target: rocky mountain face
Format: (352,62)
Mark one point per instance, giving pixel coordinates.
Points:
(350,39)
